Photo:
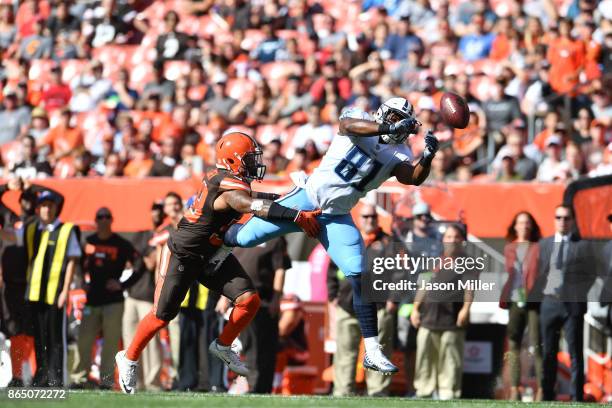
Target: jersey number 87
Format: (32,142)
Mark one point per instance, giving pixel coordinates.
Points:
(348,168)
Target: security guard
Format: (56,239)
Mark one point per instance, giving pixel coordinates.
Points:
(52,249)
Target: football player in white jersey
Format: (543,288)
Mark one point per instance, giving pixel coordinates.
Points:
(366,152)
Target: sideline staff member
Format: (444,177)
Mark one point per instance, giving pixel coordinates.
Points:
(52,249)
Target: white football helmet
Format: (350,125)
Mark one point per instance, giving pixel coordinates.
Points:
(402,108)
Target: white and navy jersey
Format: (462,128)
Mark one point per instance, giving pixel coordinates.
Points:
(352,166)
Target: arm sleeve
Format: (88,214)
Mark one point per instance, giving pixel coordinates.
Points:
(352,112)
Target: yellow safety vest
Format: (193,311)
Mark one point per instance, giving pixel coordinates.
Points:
(193,300)
(46,261)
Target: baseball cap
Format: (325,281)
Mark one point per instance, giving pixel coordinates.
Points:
(39,112)
(553,140)
(47,196)
(420,208)
(103,212)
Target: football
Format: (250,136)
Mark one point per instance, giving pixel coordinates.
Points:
(454,110)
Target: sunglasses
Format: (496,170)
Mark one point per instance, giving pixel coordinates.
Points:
(563,217)
(369,216)
(424,217)
(103,217)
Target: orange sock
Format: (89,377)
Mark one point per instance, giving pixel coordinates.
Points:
(241,316)
(147,328)
(21,348)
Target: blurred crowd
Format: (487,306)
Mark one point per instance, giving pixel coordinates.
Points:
(137,88)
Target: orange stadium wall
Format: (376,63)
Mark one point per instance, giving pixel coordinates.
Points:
(487,209)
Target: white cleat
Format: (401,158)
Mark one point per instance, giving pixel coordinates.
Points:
(127,373)
(229,357)
(377,361)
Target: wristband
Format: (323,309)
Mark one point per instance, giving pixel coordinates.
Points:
(267,196)
(279,212)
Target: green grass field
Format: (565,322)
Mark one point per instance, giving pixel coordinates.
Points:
(93,399)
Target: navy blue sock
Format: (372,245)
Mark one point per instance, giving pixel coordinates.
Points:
(231,235)
(365,312)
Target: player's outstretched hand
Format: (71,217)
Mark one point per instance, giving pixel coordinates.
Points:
(307,220)
(431,144)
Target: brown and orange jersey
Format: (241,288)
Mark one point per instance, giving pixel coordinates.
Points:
(200,231)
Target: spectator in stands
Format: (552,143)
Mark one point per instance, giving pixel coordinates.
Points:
(477,44)
(190,164)
(441,317)
(36,46)
(108,26)
(62,22)
(55,94)
(139,162)
(566,57)
(28,13)
(552,166)
(602,108)
(139,302)
(500,110)
(576,162)
(113,166)
(254,109)
(524,167)
(172,44)
(67,49)
(320,133)
(39,127)
(8,30)
(89,88)
(521,264)
(273,159)
(565,274)
(122,97)
(552,123)
(29,166)
(271,46)
(107,255)
(440,167)
(221,102)
(63,138)
(408,72)
(158,85)
(166,161)
(83,162)
(14,119)
(507,171)
(347,328)
(266,265)
(403,41)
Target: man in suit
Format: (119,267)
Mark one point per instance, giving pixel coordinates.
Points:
(565,274)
